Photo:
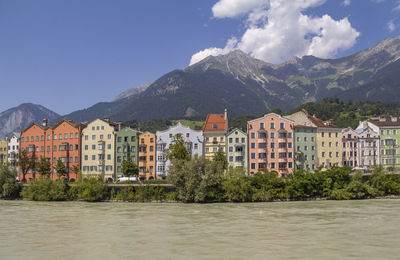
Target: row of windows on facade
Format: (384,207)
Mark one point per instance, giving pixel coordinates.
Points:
(124,158)
(100,157)
(62,147)
(237,140)
(215,139)
(272,145)
(94,168)
(55,137)
(237,149)
(388,131)
(305,139)
(272,135)
(272,125)
(14,147)
(272,155)
(63,159)
(215,149)
(143,169)
(390,161)
(329,144)
(304,157)
(126,139)
(237,159)
(101,137)
(188,146)
(330,154)
(281,165)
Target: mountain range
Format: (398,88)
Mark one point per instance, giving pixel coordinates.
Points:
(246,86)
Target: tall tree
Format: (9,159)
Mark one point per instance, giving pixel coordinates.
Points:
(26,163)
(129,168)
(43,167)
(61,169)
(177,149)
(220,158)
(75,169)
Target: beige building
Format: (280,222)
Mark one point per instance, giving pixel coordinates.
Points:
(214,131)
(98,148)
(3,152)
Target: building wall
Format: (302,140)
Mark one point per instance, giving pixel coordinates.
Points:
(147,156)
(66,146)
(33,140)
(270,141)
(389,147)
(305,144)
(13,150)
(126,146)
(3,152)
(193,141)
(368,148)
(236,149)
(329,147)
(350,143)
(98,149)
(213,141)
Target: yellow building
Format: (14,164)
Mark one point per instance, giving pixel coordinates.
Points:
(98,148)
(3,152)
(214,131)
(147,156)
(328,138)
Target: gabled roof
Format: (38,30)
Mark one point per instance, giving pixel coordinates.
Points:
(36,124)
(215,123)
(275,114)
(385,122)
(234,130)
(70,122)
(320,123)
(305,126)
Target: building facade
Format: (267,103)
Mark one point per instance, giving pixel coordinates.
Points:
(13,149)
(3,152)
(33,140)
(214,131)
(193,141)
(98,148)
(389,135)
(368,146)
(351,147)
(66,141)
(147,156)
(126,146)
(328,138)
(236,149)
(270,141)
(305,145)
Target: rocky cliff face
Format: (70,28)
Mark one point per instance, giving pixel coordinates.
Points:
(14,119)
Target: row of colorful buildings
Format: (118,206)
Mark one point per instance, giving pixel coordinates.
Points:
(272,142)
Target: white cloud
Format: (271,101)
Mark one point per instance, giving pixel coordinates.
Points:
(278,30)
(229,8)
(346,2)
(391,26)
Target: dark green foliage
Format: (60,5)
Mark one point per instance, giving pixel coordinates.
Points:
(44,189)
(60,169)
(92,189)
(43,167)
(9,188)
(177,149)
(237,186)
(129,168)
(220,158)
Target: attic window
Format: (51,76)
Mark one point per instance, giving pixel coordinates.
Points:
(214,126)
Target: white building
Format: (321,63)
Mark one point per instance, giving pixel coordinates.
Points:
(193,141)
(13,149)
(368,145)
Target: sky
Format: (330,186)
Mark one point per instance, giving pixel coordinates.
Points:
(68,55)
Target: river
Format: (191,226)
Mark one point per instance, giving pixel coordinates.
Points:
(368,229)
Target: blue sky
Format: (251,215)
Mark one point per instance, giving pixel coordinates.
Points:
(69,55)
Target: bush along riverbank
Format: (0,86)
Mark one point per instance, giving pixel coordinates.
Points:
(201,181)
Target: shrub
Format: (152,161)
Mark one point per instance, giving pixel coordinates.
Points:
(92,189)
(44,189)
(9,188)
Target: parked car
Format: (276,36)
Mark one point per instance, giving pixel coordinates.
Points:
(121,179)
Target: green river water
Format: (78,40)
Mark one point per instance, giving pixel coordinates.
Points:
(367,229)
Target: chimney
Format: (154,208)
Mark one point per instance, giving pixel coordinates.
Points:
(107,119)
(44,122)
(393,118)
(382,119)
(119,125)
(364,124)
(226,114)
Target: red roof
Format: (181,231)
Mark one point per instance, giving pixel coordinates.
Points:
(215,122)
(319,123)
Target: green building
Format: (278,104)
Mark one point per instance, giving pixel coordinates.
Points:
(236,149)
(389,143)
(126,146)
(305,146)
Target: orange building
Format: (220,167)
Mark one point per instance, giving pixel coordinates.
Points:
(62,141)
(147,156)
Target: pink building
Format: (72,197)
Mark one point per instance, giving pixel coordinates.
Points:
(270,140)
(350,147)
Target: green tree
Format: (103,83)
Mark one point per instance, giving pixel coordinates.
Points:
(177,149)
(60,168)
(92,189)
(129,168)
(43,167)
(26,163)
(220,158)
(9,188)
(75,169)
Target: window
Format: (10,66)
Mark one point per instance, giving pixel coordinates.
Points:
(101,137)
(322,134)
(282,125)
(253,145)
(272,125)
(262,135)
(282,135)
(42,138)
(323,154)
(55,148)
(337,154)
(272,145)
(214,126)
(133,138)
(231,158)
(230,149)
(273,165)
(86,157)
(109,136)
(119,139)
(196,146)
(253,166)
(262,155)
(221,139)
(253,155)
(290,145)
(262,145)
(93,147)
(330,154)
(330,144)
(253,135)
(272,135)
(108,146)
(65,136)
(71,135)
(329,134)
(262,125)
(93,157)
(54,137)
(323,144)
(243,140)
(272,155)
(93,137)
(230,140)
(289,135)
